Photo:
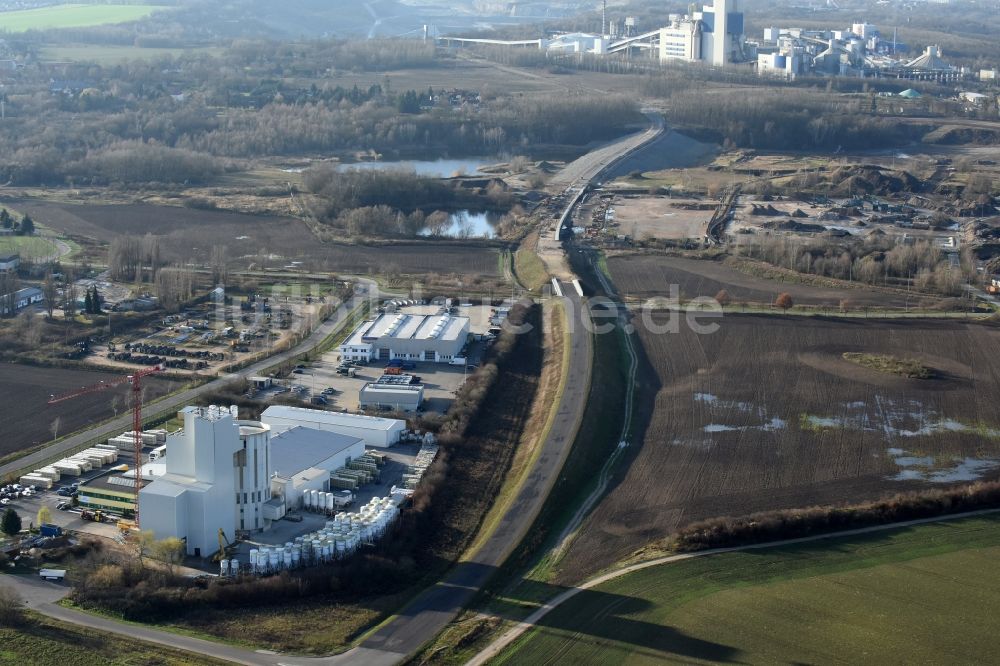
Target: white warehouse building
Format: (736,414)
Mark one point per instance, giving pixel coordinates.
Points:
(374,431)
(217,477)
(437,338)
(304,458)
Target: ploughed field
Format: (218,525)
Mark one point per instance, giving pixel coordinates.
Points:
(645,276)
(258,241)
(26,419)
(767,414)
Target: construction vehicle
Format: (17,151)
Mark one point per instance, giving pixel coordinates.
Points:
(125,526)
(94,516)
(226,548)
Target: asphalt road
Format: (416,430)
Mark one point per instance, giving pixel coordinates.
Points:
(183,398)
(589,167)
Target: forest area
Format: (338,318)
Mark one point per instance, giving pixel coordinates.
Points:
(192,118)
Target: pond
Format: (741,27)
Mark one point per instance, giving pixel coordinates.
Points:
(439,168)
(469,224)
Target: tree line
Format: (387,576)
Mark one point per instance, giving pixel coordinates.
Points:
(874,261)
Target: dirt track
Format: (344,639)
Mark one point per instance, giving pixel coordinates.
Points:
(766,414)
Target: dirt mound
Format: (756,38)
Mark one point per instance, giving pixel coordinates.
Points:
(768,210)
(798,212)
(870,179)
(792,225)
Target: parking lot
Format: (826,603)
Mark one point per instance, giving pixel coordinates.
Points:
(440,381)
(27,507)
(320,381)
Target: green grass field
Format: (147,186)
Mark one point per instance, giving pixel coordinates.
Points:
(112,54)
(928,594)
(72,16)
(29,247)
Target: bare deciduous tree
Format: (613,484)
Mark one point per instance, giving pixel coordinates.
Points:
(51,292)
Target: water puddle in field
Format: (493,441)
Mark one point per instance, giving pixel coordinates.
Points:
(911,461)
(716,402)
(943,470)
(770,426)
(719,407)
(895,419)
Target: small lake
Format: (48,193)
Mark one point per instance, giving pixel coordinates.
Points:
(440,168)
(469,224)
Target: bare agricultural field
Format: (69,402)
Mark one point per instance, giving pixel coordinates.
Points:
(27,421)
(767,414)
(662,217)
(645,276)
(259,241)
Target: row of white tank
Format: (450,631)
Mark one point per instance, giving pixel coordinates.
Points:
(339,538)
(321,502)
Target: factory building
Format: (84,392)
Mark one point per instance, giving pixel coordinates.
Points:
(681,40)
(374,431)
(713,35)
(9,262)
(721,32)
(20,299)
(113,493)
(860,51)
(395,397)
(304,458)
(217,477)
(437,338)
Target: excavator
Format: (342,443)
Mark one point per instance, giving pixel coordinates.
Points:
(226,547)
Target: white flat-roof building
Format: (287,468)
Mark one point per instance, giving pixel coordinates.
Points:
(437,338)
(9,262)
(305,457)
(400,398)
(217,477)
(374,431)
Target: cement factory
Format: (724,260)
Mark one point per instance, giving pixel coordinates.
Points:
(220,481)
(715,36)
